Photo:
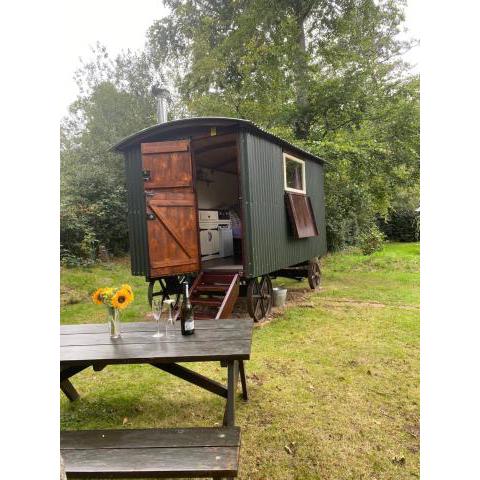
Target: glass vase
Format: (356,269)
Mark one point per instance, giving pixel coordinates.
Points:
(114,322)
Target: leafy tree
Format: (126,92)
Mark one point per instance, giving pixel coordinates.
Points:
(326,74)
(308,63)
(372,170)
(114,101)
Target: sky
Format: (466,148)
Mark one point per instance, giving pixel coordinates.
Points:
(117,24)
(122,24)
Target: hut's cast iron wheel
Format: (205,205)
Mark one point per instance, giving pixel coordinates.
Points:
(259,297)
(314,274)
(169,288)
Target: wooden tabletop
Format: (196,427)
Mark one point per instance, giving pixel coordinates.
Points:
(226,339)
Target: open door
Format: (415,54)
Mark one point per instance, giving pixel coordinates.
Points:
(172,223)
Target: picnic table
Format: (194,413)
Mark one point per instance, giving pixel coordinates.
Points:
(227,341)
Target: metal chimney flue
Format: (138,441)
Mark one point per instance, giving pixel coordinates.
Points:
(163,96)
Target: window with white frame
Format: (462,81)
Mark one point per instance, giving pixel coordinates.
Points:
(294,174)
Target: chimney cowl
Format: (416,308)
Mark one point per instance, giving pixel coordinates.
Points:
(158,91)
(163,96)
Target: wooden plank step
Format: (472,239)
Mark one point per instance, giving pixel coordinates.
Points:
(212,288)
(159,453)
(210,302)
(211,277)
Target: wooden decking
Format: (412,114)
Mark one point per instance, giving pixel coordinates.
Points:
(227,264)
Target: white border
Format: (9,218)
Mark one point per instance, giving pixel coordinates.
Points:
(302,162)
(30,100)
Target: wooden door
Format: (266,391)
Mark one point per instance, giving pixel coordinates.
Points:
(172,223)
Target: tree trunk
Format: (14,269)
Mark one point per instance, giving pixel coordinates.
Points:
(303,117)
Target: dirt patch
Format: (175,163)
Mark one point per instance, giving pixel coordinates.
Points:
(301,297)
(70,296)
(413,429)
(334,302)
(341,302)
(298,297)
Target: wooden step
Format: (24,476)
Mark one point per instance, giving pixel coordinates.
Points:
(223,278)
(159,453)
(210,302)
(223,289)
(212,288)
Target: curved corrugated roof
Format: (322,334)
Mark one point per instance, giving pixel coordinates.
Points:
(169,127)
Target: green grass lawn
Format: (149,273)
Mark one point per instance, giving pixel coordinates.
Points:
(334,379)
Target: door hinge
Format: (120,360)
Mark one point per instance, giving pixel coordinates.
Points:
(146,175)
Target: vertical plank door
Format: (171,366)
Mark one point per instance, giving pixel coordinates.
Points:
(172,223)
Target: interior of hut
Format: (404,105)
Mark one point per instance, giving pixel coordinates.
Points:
(218,198)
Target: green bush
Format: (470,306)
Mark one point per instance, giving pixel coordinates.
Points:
(93,211)
(357,187)
(371,241)
(84,227)
(402,226)
(68,259)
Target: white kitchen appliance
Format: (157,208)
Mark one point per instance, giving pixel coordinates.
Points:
(225,240)
(215,233)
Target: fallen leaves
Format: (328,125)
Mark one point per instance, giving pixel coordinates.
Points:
(399,461)
(291,448)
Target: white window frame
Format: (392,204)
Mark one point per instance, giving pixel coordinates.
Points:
(287,156)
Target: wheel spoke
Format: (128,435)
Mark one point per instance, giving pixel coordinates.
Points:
(262,283)
(255,310)
(314,274)
(262,306)
(177,301)
(259,297)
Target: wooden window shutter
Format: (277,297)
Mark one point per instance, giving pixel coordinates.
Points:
(301,216)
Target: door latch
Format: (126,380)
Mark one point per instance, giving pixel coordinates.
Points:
(150,216)
(146,175)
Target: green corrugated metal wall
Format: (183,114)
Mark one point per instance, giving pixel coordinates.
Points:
(268,244)
(137,225)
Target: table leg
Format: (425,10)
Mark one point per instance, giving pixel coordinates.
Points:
(243,379)
(69,390)
(241,368)
(232,379)
(192,377)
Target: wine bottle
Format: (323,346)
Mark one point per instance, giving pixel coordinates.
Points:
(186,313)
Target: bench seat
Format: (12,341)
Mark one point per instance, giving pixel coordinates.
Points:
(159,453)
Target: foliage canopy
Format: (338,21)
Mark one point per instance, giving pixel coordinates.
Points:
(326,74)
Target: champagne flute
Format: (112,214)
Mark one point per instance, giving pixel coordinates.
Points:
(169,324)
(157,312)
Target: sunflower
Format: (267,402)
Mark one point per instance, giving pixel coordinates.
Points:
(126,286)
(97,296)
(122,298)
